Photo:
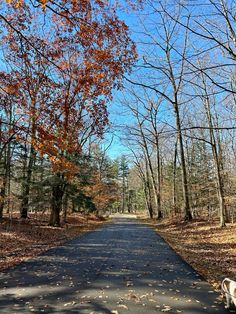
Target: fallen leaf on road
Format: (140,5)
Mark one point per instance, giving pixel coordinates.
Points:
(123,306)
(166,308)
(129,283)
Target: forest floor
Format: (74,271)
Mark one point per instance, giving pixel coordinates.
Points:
(23,239)
(210,250)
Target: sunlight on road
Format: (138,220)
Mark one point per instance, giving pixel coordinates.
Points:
(122,267)
(125,215)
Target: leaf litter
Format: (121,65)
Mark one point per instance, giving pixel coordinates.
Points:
(200,238)
(23,239)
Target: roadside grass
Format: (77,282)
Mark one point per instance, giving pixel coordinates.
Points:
(23,239)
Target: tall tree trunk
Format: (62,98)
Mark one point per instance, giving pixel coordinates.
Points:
(147,200)
(152,175)
(123,194)
(65,206)
(219,179)
(26,184)
(129,201)
(58,190)
(73,206)
(3,187)
(175,103)
(31,160)
(221,171)
(148,189)
(7,167)
(174,196)
(2,195)
(144,176)
(8,174)
(187,212)
(159,213)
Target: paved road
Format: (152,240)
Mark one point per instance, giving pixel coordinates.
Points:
(124,267)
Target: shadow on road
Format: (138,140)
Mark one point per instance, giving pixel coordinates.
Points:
(123,267)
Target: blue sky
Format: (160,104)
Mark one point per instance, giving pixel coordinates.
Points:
(118,114)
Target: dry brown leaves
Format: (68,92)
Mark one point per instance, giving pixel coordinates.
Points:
(23,239)
(210,250)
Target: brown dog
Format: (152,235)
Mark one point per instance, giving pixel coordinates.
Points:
(228,286)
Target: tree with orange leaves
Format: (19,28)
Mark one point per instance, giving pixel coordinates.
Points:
(84,50)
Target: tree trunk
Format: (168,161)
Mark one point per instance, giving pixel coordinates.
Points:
(143,171)
(176,88)
(159,212)
(220,188)
(4,179)
(152,175)
(219,179)
(147,200)
(65,207)
(123,194)
(26,184)
(2,195)
(57,196)
(7,170)
(174,198)
(187,212)
(32,155)
(221,173)
(148,190)
(73,206)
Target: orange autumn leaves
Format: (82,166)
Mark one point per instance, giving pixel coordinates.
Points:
(64,75)
(77,4)
(20,3)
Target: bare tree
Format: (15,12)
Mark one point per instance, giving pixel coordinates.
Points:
(166,76)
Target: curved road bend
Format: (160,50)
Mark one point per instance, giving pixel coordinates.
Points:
(123,267)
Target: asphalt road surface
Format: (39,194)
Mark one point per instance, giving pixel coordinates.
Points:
(123,267)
